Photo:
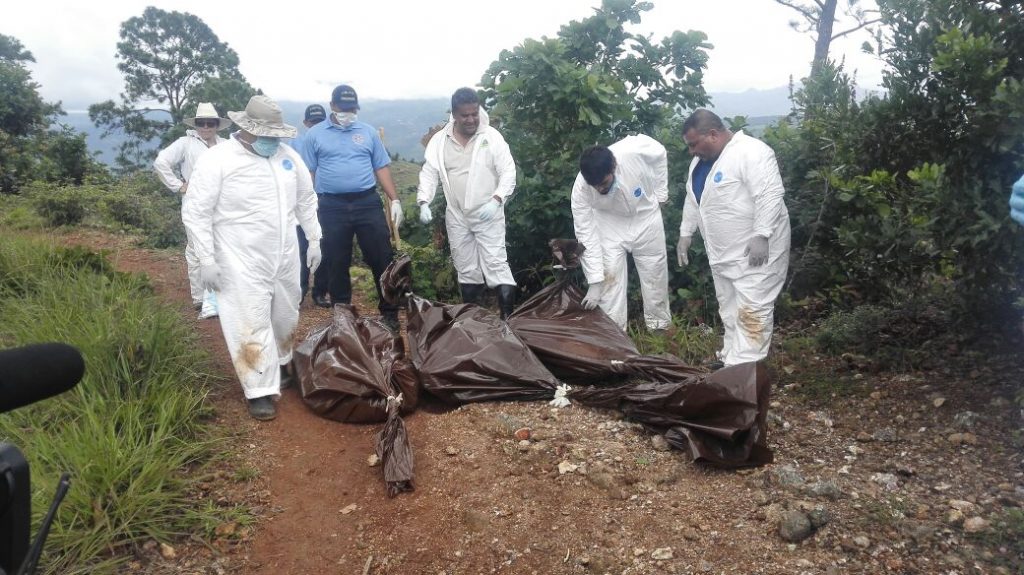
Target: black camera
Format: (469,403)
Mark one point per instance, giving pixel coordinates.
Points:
(27,375)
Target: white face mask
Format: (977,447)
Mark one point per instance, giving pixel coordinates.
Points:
(345,119)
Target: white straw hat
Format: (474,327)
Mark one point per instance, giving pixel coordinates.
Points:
(263,117)
(206,111)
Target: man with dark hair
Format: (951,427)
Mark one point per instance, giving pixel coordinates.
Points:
(348,161)
(616,211)
(734,196)
(314,114)
(477,174)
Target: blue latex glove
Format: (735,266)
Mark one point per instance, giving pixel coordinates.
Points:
(487,211)
(1017,202)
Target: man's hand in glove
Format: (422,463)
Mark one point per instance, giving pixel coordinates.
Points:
(757,249)
(396,213)
(487,211)
(209,276)
(1017,202)
(682,258)
(313,256)
(593,295)
(425,216)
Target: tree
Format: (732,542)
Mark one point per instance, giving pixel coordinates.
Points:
(594,83)
(819,18)
(28,149)
(164,57)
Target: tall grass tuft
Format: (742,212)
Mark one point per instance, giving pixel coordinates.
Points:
(132,433)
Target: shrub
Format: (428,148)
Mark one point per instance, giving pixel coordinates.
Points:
(62,205)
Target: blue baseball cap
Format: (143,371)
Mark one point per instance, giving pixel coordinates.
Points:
(344,97)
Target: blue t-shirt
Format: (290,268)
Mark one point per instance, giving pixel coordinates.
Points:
(343,161)
(700,177)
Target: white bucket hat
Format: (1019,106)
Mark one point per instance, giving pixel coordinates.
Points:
(206,111)
(263,117)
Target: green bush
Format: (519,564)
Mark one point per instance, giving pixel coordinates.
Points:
(133,432)
(62,205)
(433,274)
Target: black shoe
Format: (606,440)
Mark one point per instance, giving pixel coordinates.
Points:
(714,365)
(506,299)
(321,301)
(390,319)
(262,408)
(287,377)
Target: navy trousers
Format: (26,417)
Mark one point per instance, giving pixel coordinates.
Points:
(360,216)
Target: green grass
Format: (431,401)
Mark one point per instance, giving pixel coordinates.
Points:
(692,344)
(132,433)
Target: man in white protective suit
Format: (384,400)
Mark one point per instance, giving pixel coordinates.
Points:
(734,197)
(246,197)
(616,210)
(174,165)
(476,171)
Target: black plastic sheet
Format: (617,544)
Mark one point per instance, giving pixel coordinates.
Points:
(348,368)
(465,353)
(717,418)
(578,345)
(354,370)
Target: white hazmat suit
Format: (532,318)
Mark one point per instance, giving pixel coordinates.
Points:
(174,166)
(241,215)
(627,220)
(742,198)
(478,246)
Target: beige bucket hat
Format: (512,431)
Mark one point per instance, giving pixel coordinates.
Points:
(263,117)
(206,111)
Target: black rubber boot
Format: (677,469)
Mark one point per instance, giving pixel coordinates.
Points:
(506,299)
(471,292)
(287,377)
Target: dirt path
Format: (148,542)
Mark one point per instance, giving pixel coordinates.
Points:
(917,473)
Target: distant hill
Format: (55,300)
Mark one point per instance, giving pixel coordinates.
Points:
(406,121)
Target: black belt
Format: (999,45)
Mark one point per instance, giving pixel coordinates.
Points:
(352,195)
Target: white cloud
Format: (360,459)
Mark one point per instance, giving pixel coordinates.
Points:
(300,51)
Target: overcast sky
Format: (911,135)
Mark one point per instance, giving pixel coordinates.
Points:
(398,49)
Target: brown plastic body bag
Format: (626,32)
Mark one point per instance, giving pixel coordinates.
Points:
(465,353)
(718,418)
(354,370)
(578,345)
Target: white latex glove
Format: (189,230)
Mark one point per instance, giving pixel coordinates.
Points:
(593,295)
(209,276)
(757,249)
(682,257)
(396,213)
(425,216)
(487,211)
(313,256)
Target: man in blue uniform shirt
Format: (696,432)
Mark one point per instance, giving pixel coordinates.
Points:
(348,161)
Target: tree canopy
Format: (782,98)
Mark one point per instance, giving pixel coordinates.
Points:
(165,57)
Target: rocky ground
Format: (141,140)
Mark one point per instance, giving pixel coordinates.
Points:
(917,472)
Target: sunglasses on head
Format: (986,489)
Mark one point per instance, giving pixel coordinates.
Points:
(207,123)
